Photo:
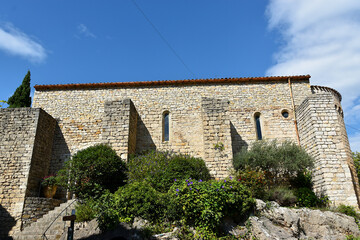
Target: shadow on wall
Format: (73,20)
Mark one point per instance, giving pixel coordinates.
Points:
(144,141)
(7,222)
(236,141)
(60,154)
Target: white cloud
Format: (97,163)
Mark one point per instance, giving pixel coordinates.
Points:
(321,38)
(83,30)
(15,42)
(355,142)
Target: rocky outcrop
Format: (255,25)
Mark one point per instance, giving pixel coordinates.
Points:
(275,222)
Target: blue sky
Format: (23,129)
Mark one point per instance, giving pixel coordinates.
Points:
(111,41)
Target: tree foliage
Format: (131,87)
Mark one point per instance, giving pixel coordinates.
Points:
(92,171)
(278,160)
(21,96)
(160,169)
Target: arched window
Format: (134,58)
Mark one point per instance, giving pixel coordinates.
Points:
(258,126)
(166,131)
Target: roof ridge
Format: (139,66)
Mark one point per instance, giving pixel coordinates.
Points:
(167,82)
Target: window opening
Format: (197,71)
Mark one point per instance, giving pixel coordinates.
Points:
(285,114)
(166,126)
(258,126)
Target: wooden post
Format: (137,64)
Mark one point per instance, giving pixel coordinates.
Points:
(71,218)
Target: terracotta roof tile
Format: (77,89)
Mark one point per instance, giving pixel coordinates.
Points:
(166,83)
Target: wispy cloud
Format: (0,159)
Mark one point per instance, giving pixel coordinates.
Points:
(321,38)
(83,30)
(16,42)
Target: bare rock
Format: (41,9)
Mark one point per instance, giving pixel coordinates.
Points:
(277,222)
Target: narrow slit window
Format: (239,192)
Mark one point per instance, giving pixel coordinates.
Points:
(166,126)
(258,126)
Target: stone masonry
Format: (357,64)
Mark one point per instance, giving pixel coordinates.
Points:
(208,118)
(217,136)
(25,152)
(322,130)
(35,208)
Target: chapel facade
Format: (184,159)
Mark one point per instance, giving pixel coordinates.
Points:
(208,118)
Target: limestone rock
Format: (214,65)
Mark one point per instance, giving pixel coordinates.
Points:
(277,222)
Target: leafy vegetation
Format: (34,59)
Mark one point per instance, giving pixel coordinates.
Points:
(50,180)
(348,210)
(204,204)
(21,96)
(254,179)
(280,161)
(282,195)
(161,168)
(93,170)
(166,188)
(85,211)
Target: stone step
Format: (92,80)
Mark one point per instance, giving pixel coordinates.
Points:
(52,223)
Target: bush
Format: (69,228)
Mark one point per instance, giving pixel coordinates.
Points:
(302,180)
(204,204)
(348,210)
(160,169)
(280,161)
(140,199)
(307,198)
(86,211)
(137,199)
(254,179)
(93,170)
(282,195)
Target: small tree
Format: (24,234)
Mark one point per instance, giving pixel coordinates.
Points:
(21,96)
(92,171)
(279,161)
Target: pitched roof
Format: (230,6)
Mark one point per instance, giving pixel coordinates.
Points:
(167,83)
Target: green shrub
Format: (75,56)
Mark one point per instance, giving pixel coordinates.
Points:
(140,199)
(307,198)
(107,212)
(86,211)
(92,170)
(136,199)
(204,204)
(348,210)
(254,179)
(282,195)
(280,161)
(160,169)
(302,180)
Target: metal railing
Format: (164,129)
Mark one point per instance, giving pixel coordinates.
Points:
(60,214)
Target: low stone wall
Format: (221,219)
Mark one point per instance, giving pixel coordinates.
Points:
(35,208)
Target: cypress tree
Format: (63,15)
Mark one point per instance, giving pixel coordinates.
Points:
(21,96)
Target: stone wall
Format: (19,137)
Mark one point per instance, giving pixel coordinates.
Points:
(119,127)
(217,136)
(35,208)
(25,135)
(323,135)
(80,114)
(41,155)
